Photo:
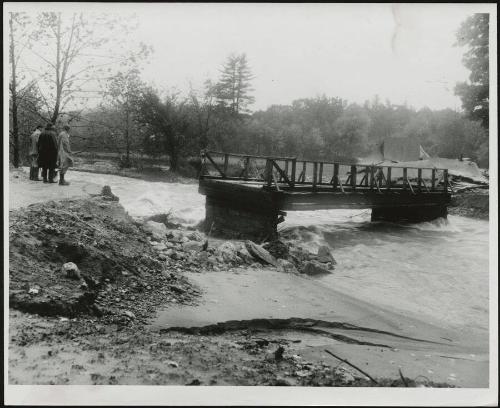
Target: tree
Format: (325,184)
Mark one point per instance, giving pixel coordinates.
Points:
(19,39)
(353,129)
(167,121)
(474,34)
(204,112)
(122,92)
(76,51)
(234,87)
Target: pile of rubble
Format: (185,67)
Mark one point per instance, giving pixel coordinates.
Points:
(183,249)
(87,256)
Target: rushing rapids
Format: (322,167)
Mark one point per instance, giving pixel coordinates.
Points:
(435,270)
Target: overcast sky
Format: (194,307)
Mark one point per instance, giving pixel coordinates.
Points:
(401,52)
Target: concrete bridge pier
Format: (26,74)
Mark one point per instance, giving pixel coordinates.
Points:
(409,213)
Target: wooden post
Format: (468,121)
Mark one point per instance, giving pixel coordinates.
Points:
(335,175)
(245,170)
(286,167)
(269,172)
(372,176)
(294,168)
(226,162)
(419,179)
(389,178)
(367,169)
(445,180)
(320,177)
(433,180)
(405,177)
(353,177)
(315,174)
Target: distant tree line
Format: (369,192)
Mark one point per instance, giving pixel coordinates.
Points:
(134,118)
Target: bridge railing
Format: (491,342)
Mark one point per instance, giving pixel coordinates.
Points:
(289,173)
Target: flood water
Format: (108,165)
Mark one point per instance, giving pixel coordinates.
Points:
(435,270)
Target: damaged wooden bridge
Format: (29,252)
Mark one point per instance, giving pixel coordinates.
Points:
(249,195)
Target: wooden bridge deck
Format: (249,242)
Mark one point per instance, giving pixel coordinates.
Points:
(273,185)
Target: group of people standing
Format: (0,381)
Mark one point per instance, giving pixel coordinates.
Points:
(49,151)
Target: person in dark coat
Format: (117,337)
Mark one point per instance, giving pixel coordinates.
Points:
(47,153)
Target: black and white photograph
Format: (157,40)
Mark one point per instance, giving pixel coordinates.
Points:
(250,204)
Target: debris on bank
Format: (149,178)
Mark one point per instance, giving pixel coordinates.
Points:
(472,202)
(192,251)
(87,256)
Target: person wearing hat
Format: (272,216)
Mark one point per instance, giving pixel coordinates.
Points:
(47,153)
(64,159)
(33,153)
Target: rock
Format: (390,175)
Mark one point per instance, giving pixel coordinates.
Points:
(160,246)
(129,314)
(245,255)
(176,289)
(108,195)
(260,253)
(196,236)
(201,258)
(177,255)
(177,236)
(325,256)
(192,246)
(287,266)
(194,382)
(278,354)
(71,271)
(277,249)
(227,252)
(174,364)
(34,290)
(157,229)
(314,268)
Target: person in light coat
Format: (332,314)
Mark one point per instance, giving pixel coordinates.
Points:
(64,158)
(33,153)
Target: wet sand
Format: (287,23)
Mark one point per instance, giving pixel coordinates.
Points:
(439,353)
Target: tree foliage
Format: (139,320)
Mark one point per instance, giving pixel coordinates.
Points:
(234,86)
(474,34)
(77,53)
(167,122)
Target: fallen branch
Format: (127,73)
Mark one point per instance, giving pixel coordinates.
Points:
(402,378)
(353,366)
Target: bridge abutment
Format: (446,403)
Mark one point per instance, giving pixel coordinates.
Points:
(232,221)
(409,213)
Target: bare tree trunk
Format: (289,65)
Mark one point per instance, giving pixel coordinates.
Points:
(15,125)
(55,114)
(127,137)
(174,160)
